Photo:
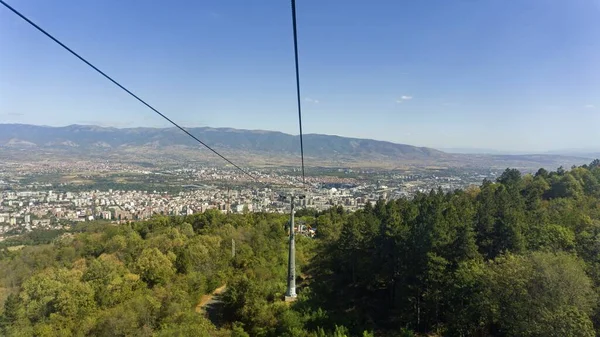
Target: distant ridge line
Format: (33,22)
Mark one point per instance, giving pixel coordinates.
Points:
(211,128)
(259,147)
(261,140)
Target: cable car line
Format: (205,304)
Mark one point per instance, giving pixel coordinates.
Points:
(122,87)
(298,87)
(290,184)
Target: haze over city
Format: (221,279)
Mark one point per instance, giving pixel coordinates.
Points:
(518,76)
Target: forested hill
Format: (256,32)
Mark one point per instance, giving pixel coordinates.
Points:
(514,257)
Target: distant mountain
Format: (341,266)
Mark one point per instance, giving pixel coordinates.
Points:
(589,153)
(474,150)
(249,146)
(315,145)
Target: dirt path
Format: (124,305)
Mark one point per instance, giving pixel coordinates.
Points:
(209,299)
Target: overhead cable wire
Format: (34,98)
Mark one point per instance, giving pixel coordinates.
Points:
(122,87)
(297,87)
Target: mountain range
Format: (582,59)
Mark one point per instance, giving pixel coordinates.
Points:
(255,146)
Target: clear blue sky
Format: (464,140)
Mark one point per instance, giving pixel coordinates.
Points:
(512,75)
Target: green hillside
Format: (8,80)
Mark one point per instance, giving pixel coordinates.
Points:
(515,257)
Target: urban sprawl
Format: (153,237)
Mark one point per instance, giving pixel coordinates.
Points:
(26,207)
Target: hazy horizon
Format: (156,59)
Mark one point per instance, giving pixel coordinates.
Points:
(520,76)
(457,150)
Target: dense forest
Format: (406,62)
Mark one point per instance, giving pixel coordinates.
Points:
(516,257)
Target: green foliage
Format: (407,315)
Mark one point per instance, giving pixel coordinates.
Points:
(116,281)
(481,262)
(38,237)
(154,267)
(404,332)
(527,292)
(340,331)
(515,257)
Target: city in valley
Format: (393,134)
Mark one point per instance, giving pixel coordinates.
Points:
(59,194)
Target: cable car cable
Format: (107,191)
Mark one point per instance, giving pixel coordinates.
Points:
(122,87)
(298,87)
